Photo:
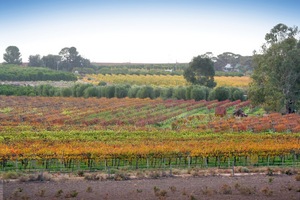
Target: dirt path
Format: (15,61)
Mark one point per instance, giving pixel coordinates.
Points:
(281,187)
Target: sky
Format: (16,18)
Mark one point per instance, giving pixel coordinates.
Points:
(146,31)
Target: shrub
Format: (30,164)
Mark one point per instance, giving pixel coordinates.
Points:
(198,93)
(226,189)
(222,93)
(10,175)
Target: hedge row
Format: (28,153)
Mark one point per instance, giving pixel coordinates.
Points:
(122,91)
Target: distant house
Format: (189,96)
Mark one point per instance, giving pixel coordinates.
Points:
(169,70)
(228,68)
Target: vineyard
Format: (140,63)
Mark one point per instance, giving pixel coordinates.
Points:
(63,134)
(162,80)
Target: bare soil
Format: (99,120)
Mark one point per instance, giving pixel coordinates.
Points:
(240,186)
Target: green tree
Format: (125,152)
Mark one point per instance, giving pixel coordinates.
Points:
(51,61)
(71,59)
(35,61)
(12,55)
(276,75)
(201,71)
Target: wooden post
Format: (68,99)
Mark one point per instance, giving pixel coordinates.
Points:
(233,167)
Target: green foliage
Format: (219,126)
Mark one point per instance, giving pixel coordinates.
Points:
(145,92)
(51,61)
(35,61)
(132,92)
(17,73)
(121,91)
(166,93)
(71,59)
(179,93)
(276,73)
(110,91)
(198,93)
(222,93)
(118,91)
(12,55)
(66,92)
(201,71)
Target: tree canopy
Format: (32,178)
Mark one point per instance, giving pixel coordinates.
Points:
(71,59)
(200,71)
(35,61)
(12,55)
(276,75)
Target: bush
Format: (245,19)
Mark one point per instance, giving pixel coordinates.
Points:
(180,93)
(222,93)
(145,92)
(10,175)
(198,93)
(166,93)
(121,91)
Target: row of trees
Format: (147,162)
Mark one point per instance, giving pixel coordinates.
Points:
(68,59)
(16,73)
(121,91)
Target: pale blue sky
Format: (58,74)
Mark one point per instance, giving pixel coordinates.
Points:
(141,31)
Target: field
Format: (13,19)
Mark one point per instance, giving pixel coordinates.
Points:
(67,134)
(162,80)
(66,147)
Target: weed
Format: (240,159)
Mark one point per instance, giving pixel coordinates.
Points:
(72,194)
(41,192)
(244,170)
(89,189)
(91,177)
(246,190)
(271,180)
(58,193)
(140,174)
(266,191)
(154,174)
(80,173)
(193,198)
(163,193)
(206,191)
(17,191)
(297,177)
(270,171)
(139,190)
(121,176)
(237,186)
(226,189)
(184,192)
(173,189)
(156,189)
(10,175)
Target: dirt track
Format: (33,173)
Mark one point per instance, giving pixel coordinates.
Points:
(246,187)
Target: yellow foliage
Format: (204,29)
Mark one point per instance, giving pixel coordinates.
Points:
(161,80)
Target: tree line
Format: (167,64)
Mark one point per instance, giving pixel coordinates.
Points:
(16,73)
(121,91)
(68,59)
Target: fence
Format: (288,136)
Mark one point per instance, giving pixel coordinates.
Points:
(102,164)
